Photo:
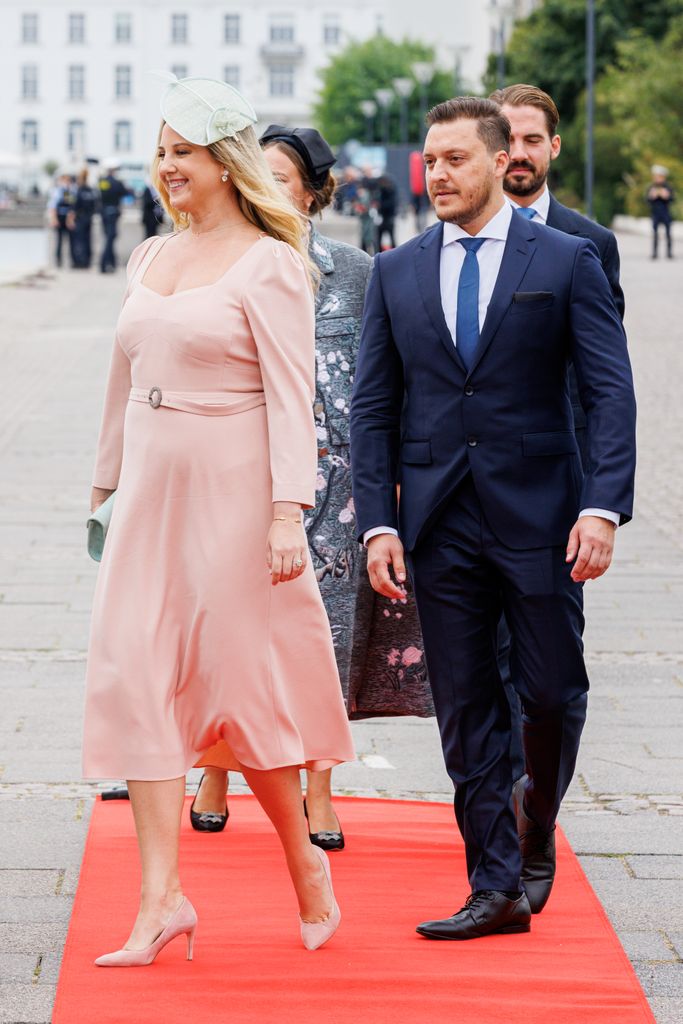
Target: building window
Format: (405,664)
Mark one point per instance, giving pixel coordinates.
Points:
(180,70)
(77,28)
(231,75)
(29,82)
(282,80)
(123,137)
(331,31)
(29,136)
(29,28)
(76,82)
(123,81)
(123,28)
(282,31)
(179,28)
(231,28)
(75,137)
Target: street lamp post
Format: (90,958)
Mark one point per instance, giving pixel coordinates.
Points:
(369,109)
(384,98)
(424,72)
(590,104)
(503,11)
(459,52)
(403,88)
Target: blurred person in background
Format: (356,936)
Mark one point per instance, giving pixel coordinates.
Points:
(112,194)
(377,643)
(387,205)
(85,207)
(660,197)
(61,216)
(152,210)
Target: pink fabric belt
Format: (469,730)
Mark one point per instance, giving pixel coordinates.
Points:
(202,403)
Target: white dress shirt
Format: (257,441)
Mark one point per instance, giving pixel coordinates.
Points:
(489,257)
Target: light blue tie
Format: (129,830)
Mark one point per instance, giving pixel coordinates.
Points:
(467,316)
(527,211)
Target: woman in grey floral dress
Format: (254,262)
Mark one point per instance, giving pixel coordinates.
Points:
(377,642)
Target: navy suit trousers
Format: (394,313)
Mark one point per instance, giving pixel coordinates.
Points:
(464,578)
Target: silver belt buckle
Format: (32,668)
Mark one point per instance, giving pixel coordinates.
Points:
(154,397)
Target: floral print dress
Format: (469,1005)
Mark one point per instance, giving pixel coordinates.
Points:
(377,642)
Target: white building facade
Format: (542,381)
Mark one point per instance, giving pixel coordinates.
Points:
(74,75)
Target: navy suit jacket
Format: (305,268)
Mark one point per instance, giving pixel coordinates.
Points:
(573,223)
(421,420)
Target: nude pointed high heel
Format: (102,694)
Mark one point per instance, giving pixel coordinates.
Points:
(183,922)
(316,934)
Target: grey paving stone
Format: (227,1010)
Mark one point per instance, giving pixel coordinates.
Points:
(657,867)
(667,1010)
(599,868)
(38,909)
(26,882)
(19,967)
(644,833)
(26,1004)
(647,946)
(31,937)
(660,979)
(639,904)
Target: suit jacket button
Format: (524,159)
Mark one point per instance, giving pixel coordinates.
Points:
(469,390)
(472,442)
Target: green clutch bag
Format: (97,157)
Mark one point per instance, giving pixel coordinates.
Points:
(98,524)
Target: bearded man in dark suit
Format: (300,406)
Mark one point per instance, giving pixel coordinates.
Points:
(534,145)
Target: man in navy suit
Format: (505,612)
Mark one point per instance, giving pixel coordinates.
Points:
(534,145)
(461,397)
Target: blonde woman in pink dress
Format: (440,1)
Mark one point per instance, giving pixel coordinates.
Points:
(208,623)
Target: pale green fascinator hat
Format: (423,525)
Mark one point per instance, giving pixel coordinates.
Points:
(204,110)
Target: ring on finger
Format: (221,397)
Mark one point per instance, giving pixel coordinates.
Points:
(297,563)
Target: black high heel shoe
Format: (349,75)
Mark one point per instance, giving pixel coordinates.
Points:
(326,840)
(207,821)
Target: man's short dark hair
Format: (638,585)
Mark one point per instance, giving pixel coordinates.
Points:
(521,95)
(493,127)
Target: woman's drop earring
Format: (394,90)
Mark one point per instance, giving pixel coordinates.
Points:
(224,176)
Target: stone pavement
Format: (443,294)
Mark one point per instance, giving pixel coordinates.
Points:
(624,812)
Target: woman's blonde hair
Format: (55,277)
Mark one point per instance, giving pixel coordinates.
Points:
(259,196)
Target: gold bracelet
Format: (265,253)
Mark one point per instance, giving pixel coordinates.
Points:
(286,519)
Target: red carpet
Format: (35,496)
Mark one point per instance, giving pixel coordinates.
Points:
(403,864)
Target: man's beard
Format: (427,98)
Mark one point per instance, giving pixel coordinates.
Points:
(478,203)
(521,188)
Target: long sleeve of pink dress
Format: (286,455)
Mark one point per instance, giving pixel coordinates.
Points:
(287,362)
(194,655)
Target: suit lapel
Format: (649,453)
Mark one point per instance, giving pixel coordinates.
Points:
(518,253)
(557,218)
(428,274)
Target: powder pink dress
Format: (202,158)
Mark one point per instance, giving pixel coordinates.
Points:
(191,645)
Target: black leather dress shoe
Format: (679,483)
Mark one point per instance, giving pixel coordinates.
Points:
(207,821)
(486,912)
(538,853)
(326,840)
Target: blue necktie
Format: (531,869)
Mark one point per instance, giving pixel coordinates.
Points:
(527,211)
(467,316)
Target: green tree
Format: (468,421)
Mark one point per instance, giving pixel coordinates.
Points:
(355,73)
(641,99)
(635,44)
(547,49)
